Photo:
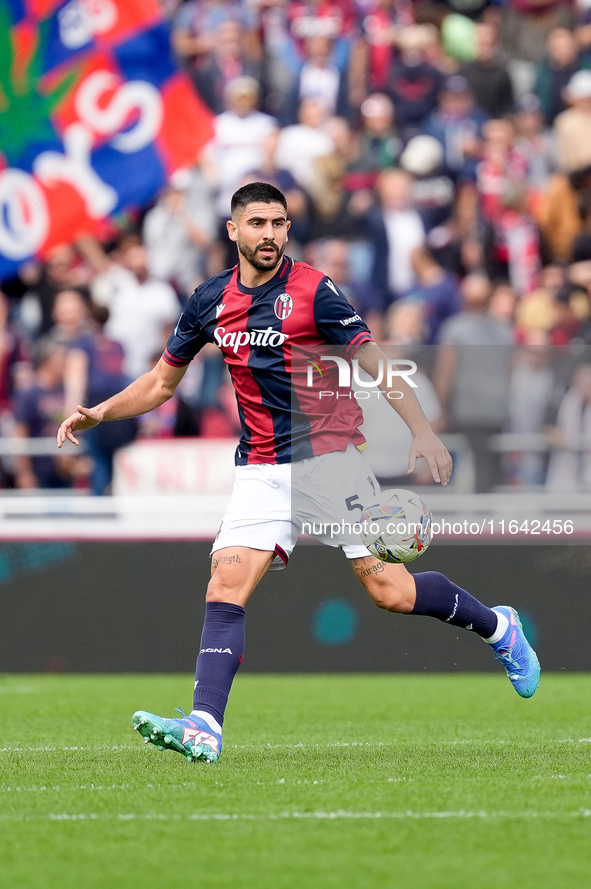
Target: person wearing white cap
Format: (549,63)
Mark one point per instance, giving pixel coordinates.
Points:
(573,126)
(239,137)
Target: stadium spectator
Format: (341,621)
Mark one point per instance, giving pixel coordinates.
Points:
(567,323)
(414,84)
(405,322)
(583,25)
(573,126)
(37,409)
(514,251)
(71,316)
(457,123)
(525,26)
(298,200)
(569,469)
(323,18)
(532,390)
(503,302)
(15,359)
(437,289)
(374,52)
(395,230)
(535,145)
(196,24)
(93,371)
(559,216)
(538,310)
(555,71)
(580,303)
(238,141)
(581,245)
(320,79)
(228,58)
(179,232)
(487,75)
(501,166)
(61,270)
(333,215)
(471,377)
(376,143)
(300,146)
(433,191)
(141,308)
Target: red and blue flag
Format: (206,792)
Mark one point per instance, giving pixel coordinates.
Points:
(94,117)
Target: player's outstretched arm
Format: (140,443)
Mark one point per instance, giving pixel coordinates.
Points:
(425,443)
(144,394)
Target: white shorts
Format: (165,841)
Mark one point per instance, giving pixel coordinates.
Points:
(322,497)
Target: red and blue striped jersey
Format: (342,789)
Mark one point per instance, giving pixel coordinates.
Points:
(269,335)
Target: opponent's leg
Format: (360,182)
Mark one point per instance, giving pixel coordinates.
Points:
(236,572)
(430,593)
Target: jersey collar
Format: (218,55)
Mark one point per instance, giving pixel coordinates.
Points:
(285,262)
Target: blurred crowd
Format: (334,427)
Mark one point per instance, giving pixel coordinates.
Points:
(436,158)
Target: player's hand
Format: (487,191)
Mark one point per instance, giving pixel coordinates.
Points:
(427,445)
(82,418)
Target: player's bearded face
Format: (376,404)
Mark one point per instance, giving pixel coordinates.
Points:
(266,255)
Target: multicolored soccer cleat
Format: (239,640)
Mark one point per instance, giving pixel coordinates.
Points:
(516,655)
(191,735)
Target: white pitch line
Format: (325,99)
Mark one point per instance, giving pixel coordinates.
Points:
(338,815)
(300,745)
(66,749)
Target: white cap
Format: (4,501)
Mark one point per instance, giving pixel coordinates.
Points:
(422,155)
(579,86)
(180,180)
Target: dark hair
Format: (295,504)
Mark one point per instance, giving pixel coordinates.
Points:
(257,191)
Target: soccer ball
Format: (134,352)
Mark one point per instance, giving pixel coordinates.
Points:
(398,527)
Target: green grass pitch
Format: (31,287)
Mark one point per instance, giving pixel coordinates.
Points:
(325,782)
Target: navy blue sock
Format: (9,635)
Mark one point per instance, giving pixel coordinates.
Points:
(220,654)
(439,597)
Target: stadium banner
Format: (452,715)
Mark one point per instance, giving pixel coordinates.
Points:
(182,466)
(94,118)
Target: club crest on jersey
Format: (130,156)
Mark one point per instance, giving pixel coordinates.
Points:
(283,306)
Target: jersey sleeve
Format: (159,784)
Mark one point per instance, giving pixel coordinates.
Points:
(336,320)
(187,338)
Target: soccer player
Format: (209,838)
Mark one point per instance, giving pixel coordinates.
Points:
(259,313)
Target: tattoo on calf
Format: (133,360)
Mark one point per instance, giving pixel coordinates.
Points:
(376,568)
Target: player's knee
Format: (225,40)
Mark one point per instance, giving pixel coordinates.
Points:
(222,588)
